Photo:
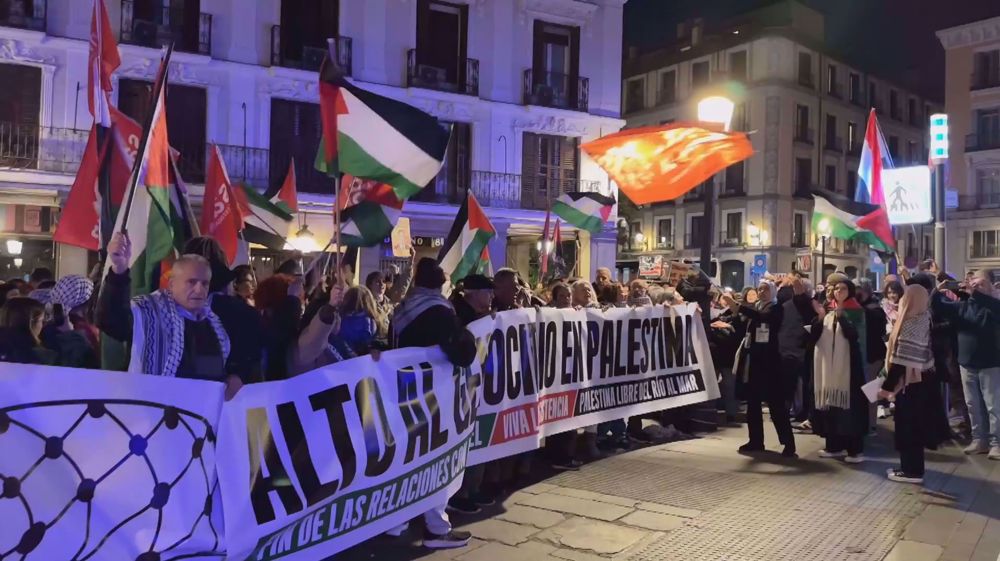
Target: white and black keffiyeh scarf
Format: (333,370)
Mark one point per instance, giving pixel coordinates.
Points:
(158,335)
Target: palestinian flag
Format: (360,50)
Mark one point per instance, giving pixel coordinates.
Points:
(586,211)
(485,266)
(264,221)
(374,137)
(148,216)
(462,251)
(287,197)
(840,217)
(369,212)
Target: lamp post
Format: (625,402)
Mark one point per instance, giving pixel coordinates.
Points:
(824,232)
(718,111)
(939,153)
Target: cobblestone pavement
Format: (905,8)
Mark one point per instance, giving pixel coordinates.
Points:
(699,500)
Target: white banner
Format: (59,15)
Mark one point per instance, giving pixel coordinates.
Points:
(103,465)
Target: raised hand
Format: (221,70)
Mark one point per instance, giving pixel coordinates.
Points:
(120,252)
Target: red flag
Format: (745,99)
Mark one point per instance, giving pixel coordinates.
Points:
(221,217)
(104,59)
(545,244)
(288,193)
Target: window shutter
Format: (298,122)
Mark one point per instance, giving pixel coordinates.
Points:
(530,168)
(186,121)
(538,57)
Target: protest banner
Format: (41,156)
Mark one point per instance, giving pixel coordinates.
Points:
(313,465)
(107,465)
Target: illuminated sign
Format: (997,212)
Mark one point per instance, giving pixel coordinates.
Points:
(908,195)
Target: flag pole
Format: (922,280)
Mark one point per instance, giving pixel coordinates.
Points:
(134,178)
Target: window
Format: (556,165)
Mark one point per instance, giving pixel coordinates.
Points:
(911,152)
(453,179)
(186,121)
(738,66)
(912,113)
(665,233)
(928,246)
(734,179)
(831,132)
(802,132)
(799,229)
(988,186)
(550,167)
(442,42)
(894,105)
(893,146)
(805,70)
(831,178)
(852,138)
(635,98)
(20,106)
(556,65)
(986,70)
(733,235)
(155,23)
(855,88)
(852,183)
(699,74)
(832,87)
(988,128)
(295,131)
(803,176)
(668,87)
(305,27)
(696,227)
(985,243)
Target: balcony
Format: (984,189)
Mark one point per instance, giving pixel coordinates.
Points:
(666,97)
(984,248)
(665,242)
(27,147)
(23,14)
(799,240)
(833,144)
(988,199)
(434,78)
(835,91)
(807,80)
(978,142)
(980,82)
(851,247)
(730,239)
(804,135)
(247,165)
(856,99)
(169,27)
(553,89)
(803,190)
(311,57)
(854,150)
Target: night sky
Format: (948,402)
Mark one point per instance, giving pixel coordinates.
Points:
(894,38)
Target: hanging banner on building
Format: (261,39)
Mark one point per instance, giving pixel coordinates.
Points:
(124,464)
(548,371)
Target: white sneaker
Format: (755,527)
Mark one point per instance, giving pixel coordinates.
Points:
(883,413)
(825,454)
(977,447)
(994,453)
(860,458)
(898,476)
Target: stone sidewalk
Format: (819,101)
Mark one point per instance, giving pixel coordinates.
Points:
(700,500)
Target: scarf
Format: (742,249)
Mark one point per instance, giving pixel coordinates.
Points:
(832,358)
(418,301)
(891,310)
(910,340)
(158,334)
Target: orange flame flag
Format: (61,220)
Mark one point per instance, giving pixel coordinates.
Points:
(654,164)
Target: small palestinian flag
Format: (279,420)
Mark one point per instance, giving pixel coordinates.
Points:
(463,248)
(374,137)
(265,222)
(839,217)
(586,211)
(371,211)
(485,266)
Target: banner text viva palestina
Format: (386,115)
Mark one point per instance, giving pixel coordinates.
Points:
(524,360)
(418,407)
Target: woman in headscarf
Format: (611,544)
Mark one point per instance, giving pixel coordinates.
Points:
(758,366)
(908,364)
(21,323)
(838,373)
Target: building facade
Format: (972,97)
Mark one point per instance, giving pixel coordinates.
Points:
(805,112)
(972,102)
(522,82)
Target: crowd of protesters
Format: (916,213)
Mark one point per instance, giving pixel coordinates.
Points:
(805,351)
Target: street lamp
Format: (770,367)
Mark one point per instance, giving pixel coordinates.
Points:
(640,239)
(824,232)
(714,110)
(14,247)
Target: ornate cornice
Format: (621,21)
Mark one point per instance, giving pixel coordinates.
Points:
(549,124)
(970,34)
(566,11)
(17,51)
(443,109)
(290,88)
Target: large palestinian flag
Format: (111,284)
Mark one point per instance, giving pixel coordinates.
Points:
(587,211)
(374,137)
(463,248)
(839,217)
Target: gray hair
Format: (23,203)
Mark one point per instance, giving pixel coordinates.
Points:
(190,259)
